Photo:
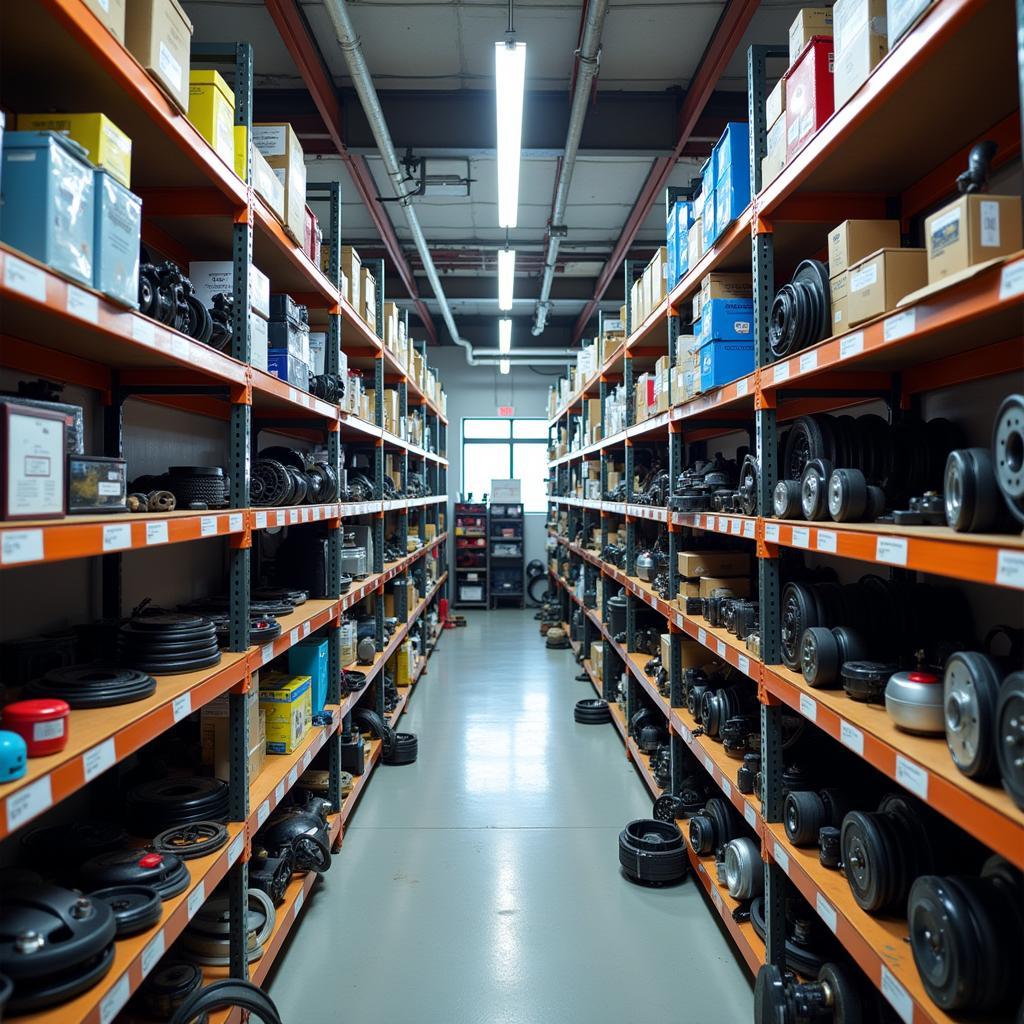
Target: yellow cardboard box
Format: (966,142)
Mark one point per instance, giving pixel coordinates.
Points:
(211,108)
(105,144)
(288,703)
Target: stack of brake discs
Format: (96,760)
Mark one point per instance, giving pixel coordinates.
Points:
(168,643)
(162,803)
(163,872)
(93,686)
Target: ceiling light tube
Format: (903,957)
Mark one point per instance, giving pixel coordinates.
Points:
(509,82)
(505,336)
(503,366)
(506,278)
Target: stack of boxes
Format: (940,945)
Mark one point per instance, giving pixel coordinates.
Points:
(287,702)
(215,277)
(724,194)
(677,230)
(158,34)
(810,96)
(215,736)
(288,355)
(702,572)
(211,109)
(279,146)
(724,329)
(649,289)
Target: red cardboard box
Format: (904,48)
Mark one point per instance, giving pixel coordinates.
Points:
(810,96)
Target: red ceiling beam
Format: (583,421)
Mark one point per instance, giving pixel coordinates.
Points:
(294,30)
(723,43)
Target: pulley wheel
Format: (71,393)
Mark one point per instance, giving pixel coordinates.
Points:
(1008,453)
(970,693)
(135,907)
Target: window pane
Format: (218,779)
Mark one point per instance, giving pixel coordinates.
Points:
(482,463)
(530,428)
(530,465)
(485,428)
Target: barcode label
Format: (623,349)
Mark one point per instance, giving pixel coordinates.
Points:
(850,736)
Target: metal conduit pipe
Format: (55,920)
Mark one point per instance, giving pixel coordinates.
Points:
(561,354)
(512,361)
(590,48)
(352,49)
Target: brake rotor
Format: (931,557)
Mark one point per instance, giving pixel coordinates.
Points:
(1010,735)
(135,907)
(1008,452)
(665,807)
(970,695)
(197,839)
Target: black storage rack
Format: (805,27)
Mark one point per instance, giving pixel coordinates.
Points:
(506,554)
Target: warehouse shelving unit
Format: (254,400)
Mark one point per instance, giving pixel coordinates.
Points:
(471,539)
(968,331)
(193,203)
(504,517)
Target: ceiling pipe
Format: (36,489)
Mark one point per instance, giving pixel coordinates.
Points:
(562,354)
(586,71)
(352,49)
(512,361)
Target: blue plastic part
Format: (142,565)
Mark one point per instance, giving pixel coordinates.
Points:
(13,756)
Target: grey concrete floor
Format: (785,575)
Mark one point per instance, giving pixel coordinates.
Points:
(481,885)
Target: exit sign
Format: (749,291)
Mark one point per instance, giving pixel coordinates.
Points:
(506,410)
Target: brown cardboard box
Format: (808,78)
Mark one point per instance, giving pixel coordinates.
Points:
(851,17)
(854,65)
(659,275)
(111,14)
(636,298)
(775,157)
(691,653)
(594,412)
(839,287)
(695,242)
(739,585)
(880,281)
(851,241)
(688,589)
(725,286)
(971,230)
(280,146)
(158,34)
(775,105)
(713,563)
(368,298)
(351,267)
(811,21)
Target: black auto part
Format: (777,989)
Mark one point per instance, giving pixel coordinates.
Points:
(865,680)
(161,803)
(93,686)
(1010,735)
(801,312)
(403,750)
(271,875)
(970,684)
(836,996)
(830,851)
(206,940)
(806,812)
(823,652)
(220,995)
(972,502)
(713,826)
(748,772)
(800,954)
(814,489)
(135,907)
(1008,453)
(168,643)
(652,852)
(847,495)
(196,839)
(300,834)
(168,987)
(164,872)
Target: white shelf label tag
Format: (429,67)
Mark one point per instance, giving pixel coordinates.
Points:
(295,636)
(84,305)
(679,621)
(809,361)
(781,372)
(29,802)
(685,733)
(181,706)
(293,395)
(299,900)
(23,278)
(262,813)
(913,776)
(293,774)
(113,1002)
(702,636)
(279,792)
(21,546)
(261,520)
(781,857)
(771,533)
(207,526)
(741,387)
(293,515)
(827,540)
(898,996)
(801,537)
(97,760)
(280,517)
(720,648)
(726,787)
(850,736)
(826,912)
(152,952)
(716,897)
(749,529)
(891,550)
(306,758)
(808,707)
(851,345)
(305,630)
(899,325)
(117,537)
(710,521)
(744,664)
(709,765)
(156,533)
(750,814)
(235,522)
(267,653)
(196,898)
(1011,281)
(1010,569)
(143,330)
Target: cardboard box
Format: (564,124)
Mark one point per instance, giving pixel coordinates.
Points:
(725,361)
(900,15)
(727,320)
(852,240)
(853,66)
(775,156)
(739,585)
(970,230)
(810,22)
(158,34)
(775,105)
(267,184)
(351,267)
(878,282)
(211,108)
(368,298)
(725,286)
(259,341)
(810,94)
(732,153)
(105,144)
(839,288)
(732,195)
(111,14)
(280,146)
(659,275)
(117,228)
(287,702)
(713,563)
(210,277)
(309,658)
(695,242)
(215,735)
(708,222)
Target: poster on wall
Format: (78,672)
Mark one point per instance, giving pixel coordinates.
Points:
(506,490)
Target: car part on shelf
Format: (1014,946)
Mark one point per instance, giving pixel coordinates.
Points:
(801,956)
(1008,453)
(94,685)
(161,803)
(748,773)
(743,868)
(13,756)
(914,701)
(164,872)
(972,502)
(713,826)
(168,643)
(263,629)
(848,495)
(300,834)
(865,681)
(196,839)
(224,994)
(814,489)
(806,812)
(271,875)
(801,312)
(823,652)
(42,723)
(838,996)
(592,711)
(830,851)
(652,852)
(135,907)
(168,987)
(404,750)
(970,685)
(54,944)
(206,940)
(786,499)
(1010,735)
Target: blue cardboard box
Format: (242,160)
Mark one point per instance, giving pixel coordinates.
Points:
(707,174)
(708,226)
(732,196)
(723,361)
(115,270)
(727,320)
(287,366)
(309,658)
(671,247)
(677,226)
(732,151)
(49,201)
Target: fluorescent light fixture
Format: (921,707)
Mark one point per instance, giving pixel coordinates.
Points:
(504,337)
(506,277)
(509,82)
(503,365)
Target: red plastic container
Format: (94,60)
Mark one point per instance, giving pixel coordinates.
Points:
(810,93)
(42,724)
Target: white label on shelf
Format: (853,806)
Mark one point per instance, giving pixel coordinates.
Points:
(826,912)
(306,758)
(827,540)
(899,325)
(316,513)
(809,361)
(98,759)
(685,733)
(293,774)
(236,848)
(720,647)
(741,387)
(207,526)
(702,636)
(143,330)
(781,372)
(851,345)
(735,527)
(295,636)
(898,996)
(117,536)
(298,901)
(156,533)
(726,787)
(267,653)
(781,857)
(181,706)
(679,621)
(912,776)
(196,898)
(293,395)
(113,1002)
(179,347)
(262,813)
(23,278)
(82,304)
(1010,569)
(850,736)
(24,805)
(808,707)
(710,521)
(151,953)
(750,814)
(744,664)
(749,529)
(771,533)
(716,897)
(280,516)
(279,792)
(304,514)
(261,520)
(1011,282)
(21,546)
(305,630)
(892,550)
(709,765)
(293,515)
(235,522)
(801,537)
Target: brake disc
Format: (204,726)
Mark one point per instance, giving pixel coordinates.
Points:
(135,907)
(196,839)
(799,613)
(94,686)
(970,491)
(847,495)
(814,489)
(971,693)
(1008,452)
(747,488)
